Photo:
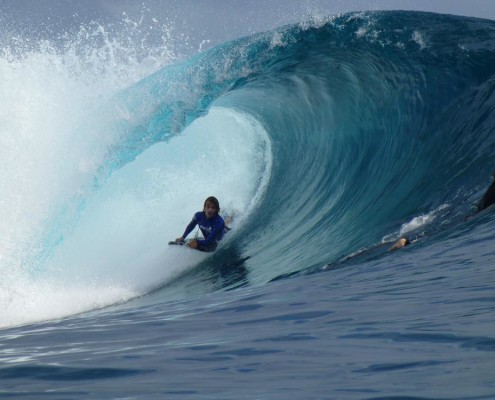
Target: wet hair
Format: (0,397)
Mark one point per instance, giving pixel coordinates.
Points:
(215,202)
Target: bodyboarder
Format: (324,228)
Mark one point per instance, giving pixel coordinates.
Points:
(210,223)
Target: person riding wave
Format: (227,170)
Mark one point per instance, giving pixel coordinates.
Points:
(210,223)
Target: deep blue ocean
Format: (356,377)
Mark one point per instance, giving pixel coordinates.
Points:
(327,140)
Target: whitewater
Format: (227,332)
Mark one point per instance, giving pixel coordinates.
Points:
(327,140)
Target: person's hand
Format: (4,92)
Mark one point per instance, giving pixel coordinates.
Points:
(193,244)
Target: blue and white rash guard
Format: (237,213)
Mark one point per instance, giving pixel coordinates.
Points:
(211,228)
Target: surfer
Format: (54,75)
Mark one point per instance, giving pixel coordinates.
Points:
(210,223)
(489,197)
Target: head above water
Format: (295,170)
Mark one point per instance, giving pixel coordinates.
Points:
(402,242)
(211,202)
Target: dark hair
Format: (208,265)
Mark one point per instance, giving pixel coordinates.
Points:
(213,200)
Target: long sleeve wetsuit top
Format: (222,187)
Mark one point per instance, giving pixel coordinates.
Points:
(211,228)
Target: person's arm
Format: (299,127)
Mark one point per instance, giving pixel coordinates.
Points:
(188,230)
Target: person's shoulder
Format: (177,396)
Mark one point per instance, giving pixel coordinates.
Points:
(199,215)
(219,219)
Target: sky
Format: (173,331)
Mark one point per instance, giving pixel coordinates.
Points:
(227,19)
(209,22)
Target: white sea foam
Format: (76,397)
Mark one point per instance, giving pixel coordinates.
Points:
(65,249)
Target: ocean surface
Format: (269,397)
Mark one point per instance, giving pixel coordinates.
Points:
(327,140)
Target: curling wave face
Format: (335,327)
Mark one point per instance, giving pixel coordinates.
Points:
(325,138)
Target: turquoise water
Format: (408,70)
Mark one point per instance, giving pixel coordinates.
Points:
(328,141)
